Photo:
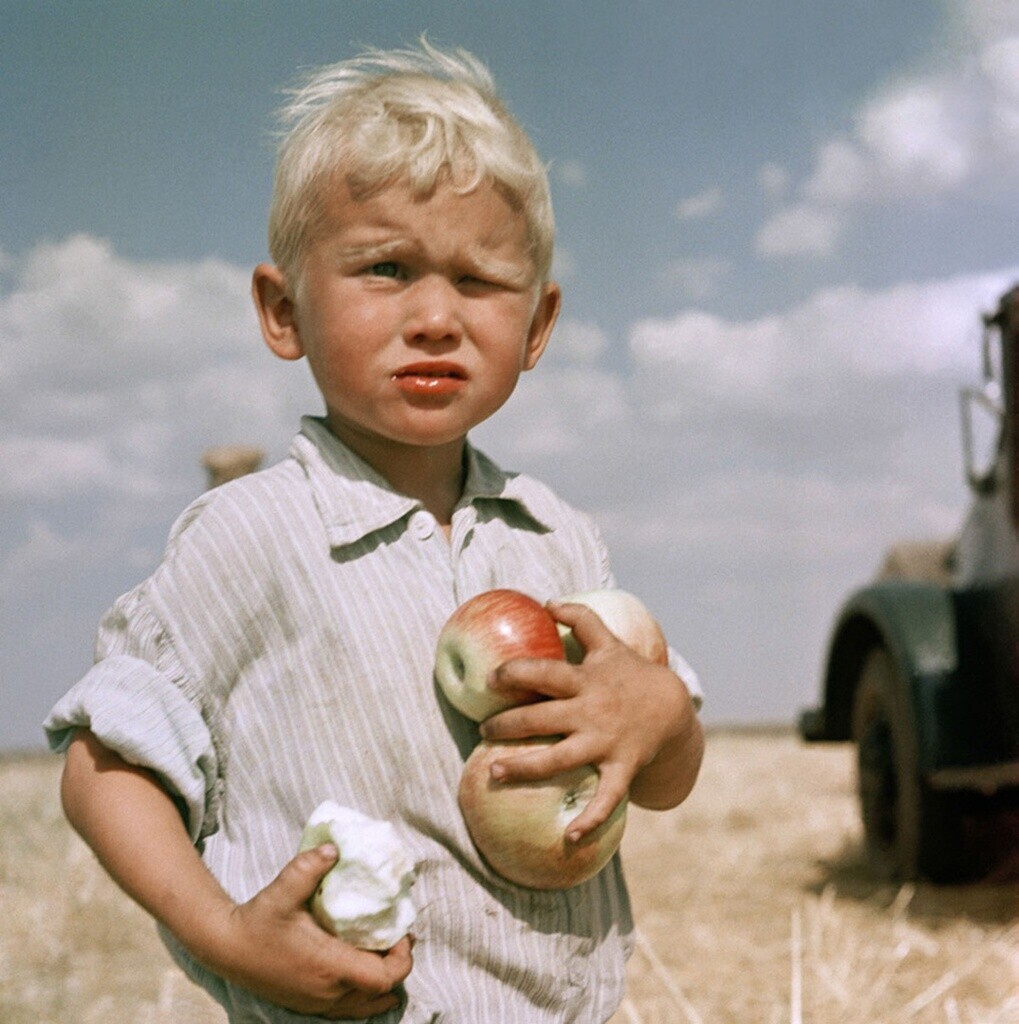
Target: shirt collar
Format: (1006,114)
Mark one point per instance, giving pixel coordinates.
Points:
(354,500)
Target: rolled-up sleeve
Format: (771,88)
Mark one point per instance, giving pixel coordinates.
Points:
(137,705)
(135,711)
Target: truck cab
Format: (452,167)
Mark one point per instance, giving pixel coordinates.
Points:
(922,667)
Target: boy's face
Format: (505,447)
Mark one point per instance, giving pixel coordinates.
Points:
(417,316)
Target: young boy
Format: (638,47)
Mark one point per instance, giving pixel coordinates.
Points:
(282,652)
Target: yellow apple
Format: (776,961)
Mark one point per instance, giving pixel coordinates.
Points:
(520,827)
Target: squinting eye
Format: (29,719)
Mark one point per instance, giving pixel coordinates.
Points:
(476,282)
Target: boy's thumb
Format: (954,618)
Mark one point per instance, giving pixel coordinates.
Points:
(297,882)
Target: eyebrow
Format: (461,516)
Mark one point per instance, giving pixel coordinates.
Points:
(370,253)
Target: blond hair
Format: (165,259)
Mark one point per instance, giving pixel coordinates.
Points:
(423,116)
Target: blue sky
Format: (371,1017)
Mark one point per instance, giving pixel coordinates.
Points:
(778,222)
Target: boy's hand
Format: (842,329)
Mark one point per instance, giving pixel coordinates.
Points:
(632,719)
(270,945)
(279,951)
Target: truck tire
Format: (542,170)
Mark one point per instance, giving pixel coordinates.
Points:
(910,830)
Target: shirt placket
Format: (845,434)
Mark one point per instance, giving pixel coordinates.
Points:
(423,532)
(461,536)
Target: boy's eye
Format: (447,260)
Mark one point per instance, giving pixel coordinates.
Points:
(385,268)
(473,281)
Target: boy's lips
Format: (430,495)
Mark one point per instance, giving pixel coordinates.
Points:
(430,378)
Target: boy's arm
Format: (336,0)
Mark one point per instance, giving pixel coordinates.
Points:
(631,719)
(270,945)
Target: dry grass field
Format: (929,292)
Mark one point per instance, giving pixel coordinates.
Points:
(752,902)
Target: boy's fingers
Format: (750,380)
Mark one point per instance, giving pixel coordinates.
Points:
(542,762)
(363,1010)
(399,960)
(297,882)
(375,975)
(611,790)
(534,675)
(541,718)
(588,628)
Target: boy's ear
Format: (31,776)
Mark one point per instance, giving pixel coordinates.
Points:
(549,303)
(276,311)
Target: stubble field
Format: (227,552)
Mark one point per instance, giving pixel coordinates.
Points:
(752,902)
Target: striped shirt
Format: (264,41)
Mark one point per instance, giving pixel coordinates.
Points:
(282,654)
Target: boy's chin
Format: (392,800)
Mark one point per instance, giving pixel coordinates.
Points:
(420,438)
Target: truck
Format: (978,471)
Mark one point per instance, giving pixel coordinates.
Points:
(921,671)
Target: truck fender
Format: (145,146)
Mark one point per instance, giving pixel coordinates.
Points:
(915,622)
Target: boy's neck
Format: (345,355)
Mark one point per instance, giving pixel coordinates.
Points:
(434,475)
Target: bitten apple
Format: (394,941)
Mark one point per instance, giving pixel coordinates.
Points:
(365,898)
(624,615)
(520,827)
(479,636)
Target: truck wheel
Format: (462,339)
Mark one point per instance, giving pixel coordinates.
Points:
(909,829)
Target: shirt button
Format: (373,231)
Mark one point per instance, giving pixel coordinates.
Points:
(422,524)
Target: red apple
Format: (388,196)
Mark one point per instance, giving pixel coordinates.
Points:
(625,616)
(479,636)
(520,827)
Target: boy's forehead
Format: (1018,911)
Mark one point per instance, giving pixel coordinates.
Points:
(483,218)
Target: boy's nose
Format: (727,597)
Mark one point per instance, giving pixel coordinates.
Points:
(433,312)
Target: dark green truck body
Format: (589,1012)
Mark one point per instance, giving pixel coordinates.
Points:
(922,673)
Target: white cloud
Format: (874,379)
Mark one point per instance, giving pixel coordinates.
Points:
(946,130)
(840,173)
(922,137)
(115,375)
(806,520)
(702,356)
(846,401)
(577,341)
(986,20)
(34,468)
(840,338)
(557,411)
(44,551)
(804,229)
(1000,63)
(703,204)
(855,387)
